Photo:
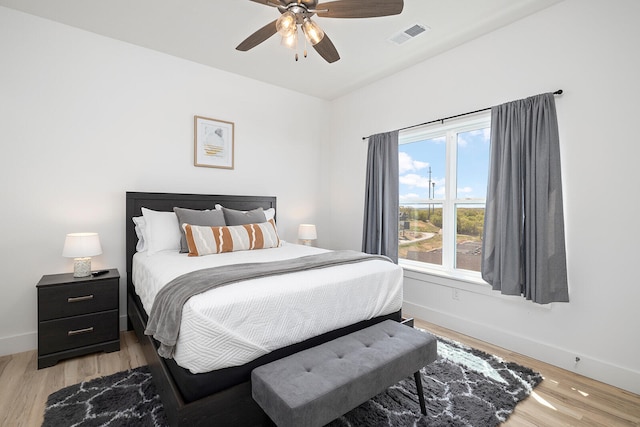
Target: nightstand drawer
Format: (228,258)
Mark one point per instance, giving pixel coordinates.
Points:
(77,298)
(78,331)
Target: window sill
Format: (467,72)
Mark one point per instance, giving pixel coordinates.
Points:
(470,282)
(419,268)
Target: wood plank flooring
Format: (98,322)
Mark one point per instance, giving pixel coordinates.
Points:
(562,399)
(24,389)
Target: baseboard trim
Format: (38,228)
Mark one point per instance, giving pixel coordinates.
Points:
(605,372)
(594,368)
(18,343)
(123,322)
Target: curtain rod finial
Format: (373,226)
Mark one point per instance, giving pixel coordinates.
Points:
(558,92)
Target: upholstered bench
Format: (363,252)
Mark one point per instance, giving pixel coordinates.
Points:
(315,386)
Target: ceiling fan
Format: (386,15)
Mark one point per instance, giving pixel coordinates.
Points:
(296,13)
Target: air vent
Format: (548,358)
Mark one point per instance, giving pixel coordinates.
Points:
(408,34)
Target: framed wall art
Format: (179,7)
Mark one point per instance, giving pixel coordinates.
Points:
(213,143)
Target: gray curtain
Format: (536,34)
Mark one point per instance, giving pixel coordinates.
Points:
(381,205)
(523,248)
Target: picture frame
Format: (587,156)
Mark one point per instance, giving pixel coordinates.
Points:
(213,143)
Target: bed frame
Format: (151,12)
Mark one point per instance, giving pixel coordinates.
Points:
(234,405)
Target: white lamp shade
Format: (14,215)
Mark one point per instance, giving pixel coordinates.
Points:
(79,245)
(307,232)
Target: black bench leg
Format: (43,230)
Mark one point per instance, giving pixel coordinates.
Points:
(418,379)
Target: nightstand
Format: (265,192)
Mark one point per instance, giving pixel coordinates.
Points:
(77,315)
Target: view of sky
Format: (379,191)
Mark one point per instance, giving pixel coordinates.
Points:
(417,158)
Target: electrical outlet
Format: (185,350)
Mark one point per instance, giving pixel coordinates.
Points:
(454,294)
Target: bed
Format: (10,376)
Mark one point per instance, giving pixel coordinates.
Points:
(220,392)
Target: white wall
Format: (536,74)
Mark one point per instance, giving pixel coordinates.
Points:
(84,118)
(588,48)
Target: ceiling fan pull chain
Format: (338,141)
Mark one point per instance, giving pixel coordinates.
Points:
(305,47)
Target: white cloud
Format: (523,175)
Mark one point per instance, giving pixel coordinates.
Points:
(419,181)
(407,164)
(465,190)
(485,132)
(409,198)
(420,165)
(415,180)
(462,142)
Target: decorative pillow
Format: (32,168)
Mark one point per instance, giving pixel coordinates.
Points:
(234,217)
(268,213)
(214,240)
(195,217)
(162,231)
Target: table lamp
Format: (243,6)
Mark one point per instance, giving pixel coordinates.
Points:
(81,247)
(307,233)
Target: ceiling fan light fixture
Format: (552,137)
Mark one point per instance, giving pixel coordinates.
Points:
(294,13)
(286,24)
(312,31)
(290,41)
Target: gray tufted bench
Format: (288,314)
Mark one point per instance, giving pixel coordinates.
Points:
(315,386)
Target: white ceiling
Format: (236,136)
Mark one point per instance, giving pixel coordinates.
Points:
(207,32)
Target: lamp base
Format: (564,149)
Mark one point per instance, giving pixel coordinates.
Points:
(82,267)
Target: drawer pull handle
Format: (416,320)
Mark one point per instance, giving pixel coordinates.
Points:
(78,299)
(80,331)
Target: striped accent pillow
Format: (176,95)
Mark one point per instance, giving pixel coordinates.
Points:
(204,240)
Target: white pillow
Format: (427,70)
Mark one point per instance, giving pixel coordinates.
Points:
(268,213)
(162,231)
(140,228)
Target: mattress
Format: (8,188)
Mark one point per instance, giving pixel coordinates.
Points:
(235,324)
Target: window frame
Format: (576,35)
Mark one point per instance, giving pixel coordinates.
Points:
(450,201)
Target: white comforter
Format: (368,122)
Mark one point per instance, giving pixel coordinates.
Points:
(232,325)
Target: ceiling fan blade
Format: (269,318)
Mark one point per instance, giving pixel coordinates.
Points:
(258,37)
(268,2)
(327,50)
(359,8)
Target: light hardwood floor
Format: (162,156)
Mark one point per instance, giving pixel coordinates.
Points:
(562,399)
(24,389)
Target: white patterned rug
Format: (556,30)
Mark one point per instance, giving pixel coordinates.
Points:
(463,387)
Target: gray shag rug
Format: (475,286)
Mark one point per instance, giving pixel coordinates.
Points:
(463,387)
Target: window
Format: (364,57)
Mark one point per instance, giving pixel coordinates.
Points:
(443,184)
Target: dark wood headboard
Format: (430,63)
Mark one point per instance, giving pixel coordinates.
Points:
(167,201)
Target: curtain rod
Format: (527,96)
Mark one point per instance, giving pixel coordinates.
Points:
(558,92)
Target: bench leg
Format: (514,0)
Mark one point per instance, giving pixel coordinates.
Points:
(418,380)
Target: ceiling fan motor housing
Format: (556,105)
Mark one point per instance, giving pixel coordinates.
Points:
(309,4)
(301,10)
